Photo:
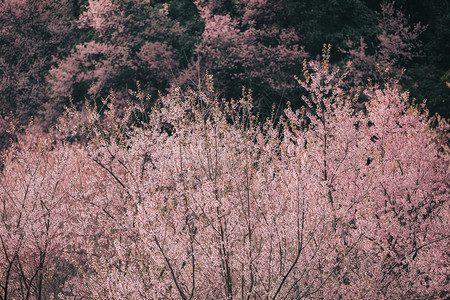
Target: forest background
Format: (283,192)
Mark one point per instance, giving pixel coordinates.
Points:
(56,52)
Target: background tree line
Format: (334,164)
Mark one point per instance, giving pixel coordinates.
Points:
(56,52)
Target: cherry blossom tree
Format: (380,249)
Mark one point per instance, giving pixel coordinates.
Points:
(379,169)
(397,44)
(202,201)
(242,45)
(35,211)
(409,204)
(31,33)
(133,41)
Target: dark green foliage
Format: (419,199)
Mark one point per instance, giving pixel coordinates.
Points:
(428,82)
(331,22)
(186,13)
(429,77)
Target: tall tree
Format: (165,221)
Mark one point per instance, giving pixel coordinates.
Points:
(133,41)
(243,46)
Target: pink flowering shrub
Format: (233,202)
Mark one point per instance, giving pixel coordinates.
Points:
(203,201)
(35,213)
